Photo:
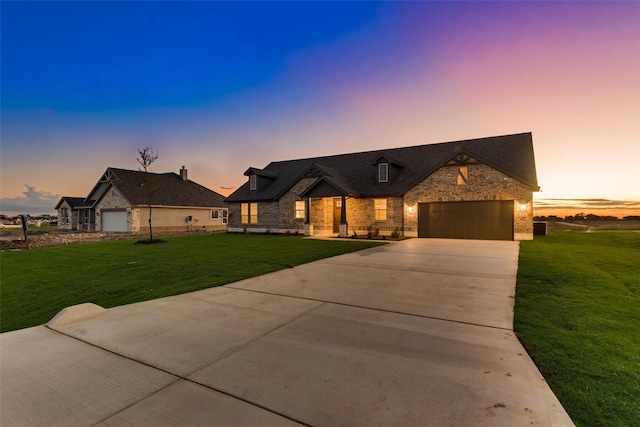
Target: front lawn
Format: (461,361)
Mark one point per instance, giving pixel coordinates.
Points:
(36,284)
(577,313)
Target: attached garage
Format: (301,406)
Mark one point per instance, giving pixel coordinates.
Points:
(114,221)
(482,220)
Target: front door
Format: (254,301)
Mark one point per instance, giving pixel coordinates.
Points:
(337,207)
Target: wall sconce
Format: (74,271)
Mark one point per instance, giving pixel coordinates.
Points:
(523,207)
(411,210)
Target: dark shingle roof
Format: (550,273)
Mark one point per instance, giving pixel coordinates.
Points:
(510,154)
(73,202)
(173,190)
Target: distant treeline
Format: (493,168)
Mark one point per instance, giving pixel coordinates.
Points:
(586,217)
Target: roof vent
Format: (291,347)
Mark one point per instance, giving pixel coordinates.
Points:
(183,173)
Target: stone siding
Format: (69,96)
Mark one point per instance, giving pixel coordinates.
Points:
(287,207)
(484,183)
(268,218)
(361,216)
(113,200)
(72,217)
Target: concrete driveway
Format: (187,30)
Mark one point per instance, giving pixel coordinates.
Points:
(414,333)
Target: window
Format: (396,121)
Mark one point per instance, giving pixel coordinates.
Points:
(463,175)
(86,216)
(383,172)
(300,209)
(253,213)
(65,216)
(244,213)
(220,213)
(380,206)
(253,182)
(249,213)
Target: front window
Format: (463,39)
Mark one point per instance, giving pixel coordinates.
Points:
(253,182)
(300,209)
(65,216)
(214,214)
(380,209)
(253,213)
(383,172)
(225,216)
(244,213)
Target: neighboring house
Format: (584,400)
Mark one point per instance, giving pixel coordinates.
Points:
(119,203)
(68,212)
(476,189)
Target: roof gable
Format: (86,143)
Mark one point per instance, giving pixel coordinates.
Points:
(73,202)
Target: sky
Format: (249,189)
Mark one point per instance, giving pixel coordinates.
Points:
(218,87)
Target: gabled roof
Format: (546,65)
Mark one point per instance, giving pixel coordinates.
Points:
(172,189)
(510,154)
(73,202)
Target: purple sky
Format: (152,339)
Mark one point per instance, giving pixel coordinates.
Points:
(218,87)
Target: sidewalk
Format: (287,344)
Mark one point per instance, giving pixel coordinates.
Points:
(417,332)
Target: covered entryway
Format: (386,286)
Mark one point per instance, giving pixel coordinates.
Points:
(114,221)
(484,220)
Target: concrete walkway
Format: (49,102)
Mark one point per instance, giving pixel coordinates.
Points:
(415,333)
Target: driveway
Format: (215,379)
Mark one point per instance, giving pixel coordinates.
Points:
(414,333)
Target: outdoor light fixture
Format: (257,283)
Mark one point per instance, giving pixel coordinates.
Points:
(410,210)
(523,207)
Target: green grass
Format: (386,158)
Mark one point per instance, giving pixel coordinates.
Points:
(38,283)
(578,315)
(11,231)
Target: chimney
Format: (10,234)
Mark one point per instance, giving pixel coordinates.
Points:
(183,173)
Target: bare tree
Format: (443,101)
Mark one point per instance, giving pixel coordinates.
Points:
(149,181)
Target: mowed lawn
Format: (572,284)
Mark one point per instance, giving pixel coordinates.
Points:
(577,313)
(36,284)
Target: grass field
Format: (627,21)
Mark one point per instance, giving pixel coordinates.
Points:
(578,315)
(38,283)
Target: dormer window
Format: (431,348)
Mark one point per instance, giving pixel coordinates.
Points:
(383,172)
(253,182)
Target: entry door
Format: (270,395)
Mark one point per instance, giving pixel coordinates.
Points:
(337,207)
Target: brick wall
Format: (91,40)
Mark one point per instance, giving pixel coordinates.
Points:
(361,216)
(484,183)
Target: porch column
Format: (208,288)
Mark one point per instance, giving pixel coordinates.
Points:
(343,228)
(308,227)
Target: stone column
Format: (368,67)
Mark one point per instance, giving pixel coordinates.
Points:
(343,228)
(308,227)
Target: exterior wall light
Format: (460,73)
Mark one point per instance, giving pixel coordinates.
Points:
(523,207)
(411,210)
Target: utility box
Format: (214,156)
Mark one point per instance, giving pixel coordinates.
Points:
(540,228)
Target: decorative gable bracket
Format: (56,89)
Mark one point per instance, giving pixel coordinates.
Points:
(462,159)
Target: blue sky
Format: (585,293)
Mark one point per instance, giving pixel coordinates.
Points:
(221,86)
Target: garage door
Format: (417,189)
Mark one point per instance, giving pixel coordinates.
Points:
(486,220)
(114,221)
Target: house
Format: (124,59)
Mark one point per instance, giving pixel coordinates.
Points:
(119,203)
(473,189)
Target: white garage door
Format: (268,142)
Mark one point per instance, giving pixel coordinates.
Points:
(114,221)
